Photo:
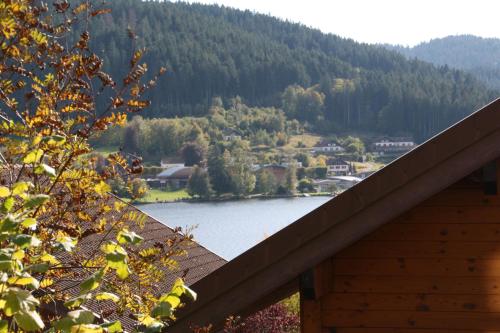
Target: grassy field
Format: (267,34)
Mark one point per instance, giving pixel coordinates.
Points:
(164,196)
(308,140)
(368,166)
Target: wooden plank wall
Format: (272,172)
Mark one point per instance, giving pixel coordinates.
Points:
(434,269)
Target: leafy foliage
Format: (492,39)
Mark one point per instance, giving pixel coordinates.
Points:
(273,319)
(158,138)
(53,196)
(229,169)
(192,153)
(199,184)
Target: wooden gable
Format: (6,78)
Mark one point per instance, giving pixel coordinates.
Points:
(435,268)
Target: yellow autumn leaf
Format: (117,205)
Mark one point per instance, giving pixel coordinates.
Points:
(4,192)
(102,188)
(38,37)
(33,156)
(86,328)
(20,188)
(19,254)
(49,258)
(119,205)
(104,296)
(46,283)
(137,103)
(23,280)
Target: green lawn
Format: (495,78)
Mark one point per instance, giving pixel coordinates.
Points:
(163,196)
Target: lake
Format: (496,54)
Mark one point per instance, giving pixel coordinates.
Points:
(230,228)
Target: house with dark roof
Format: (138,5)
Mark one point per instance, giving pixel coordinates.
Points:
(338,167)
(176,176)
(413,248)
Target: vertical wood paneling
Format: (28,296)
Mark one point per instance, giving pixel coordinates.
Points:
(434,269)
(310,316)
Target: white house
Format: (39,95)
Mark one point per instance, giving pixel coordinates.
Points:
(394,145)
(338,167)
(327,147)
(231,137)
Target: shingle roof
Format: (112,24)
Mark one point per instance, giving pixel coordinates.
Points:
(196,263)
(271,268)
(176,172)
(337,161)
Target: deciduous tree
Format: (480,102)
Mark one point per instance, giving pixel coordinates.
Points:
(53,95)
(192,154)
(199,184)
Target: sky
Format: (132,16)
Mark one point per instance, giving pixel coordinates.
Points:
(400,22)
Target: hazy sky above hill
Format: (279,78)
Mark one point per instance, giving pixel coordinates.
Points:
(384,21)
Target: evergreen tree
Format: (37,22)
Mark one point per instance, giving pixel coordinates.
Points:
(334,83)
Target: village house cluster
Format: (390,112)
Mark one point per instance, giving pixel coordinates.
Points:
(340,171)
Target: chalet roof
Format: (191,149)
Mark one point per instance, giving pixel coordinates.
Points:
(270,269)
(336,161)
(176,172)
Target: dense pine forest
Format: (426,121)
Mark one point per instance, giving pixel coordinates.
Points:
(476,55)
(326,82)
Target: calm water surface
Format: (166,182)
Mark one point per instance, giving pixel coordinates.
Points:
(232,227)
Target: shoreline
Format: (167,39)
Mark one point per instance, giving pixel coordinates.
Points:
(233,198)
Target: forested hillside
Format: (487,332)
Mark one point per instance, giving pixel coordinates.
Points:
(331,83)
(479,56)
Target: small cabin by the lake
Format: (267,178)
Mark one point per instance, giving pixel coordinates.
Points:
(413,248)
(175,177)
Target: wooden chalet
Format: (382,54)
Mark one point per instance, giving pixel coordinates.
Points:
(413,248)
